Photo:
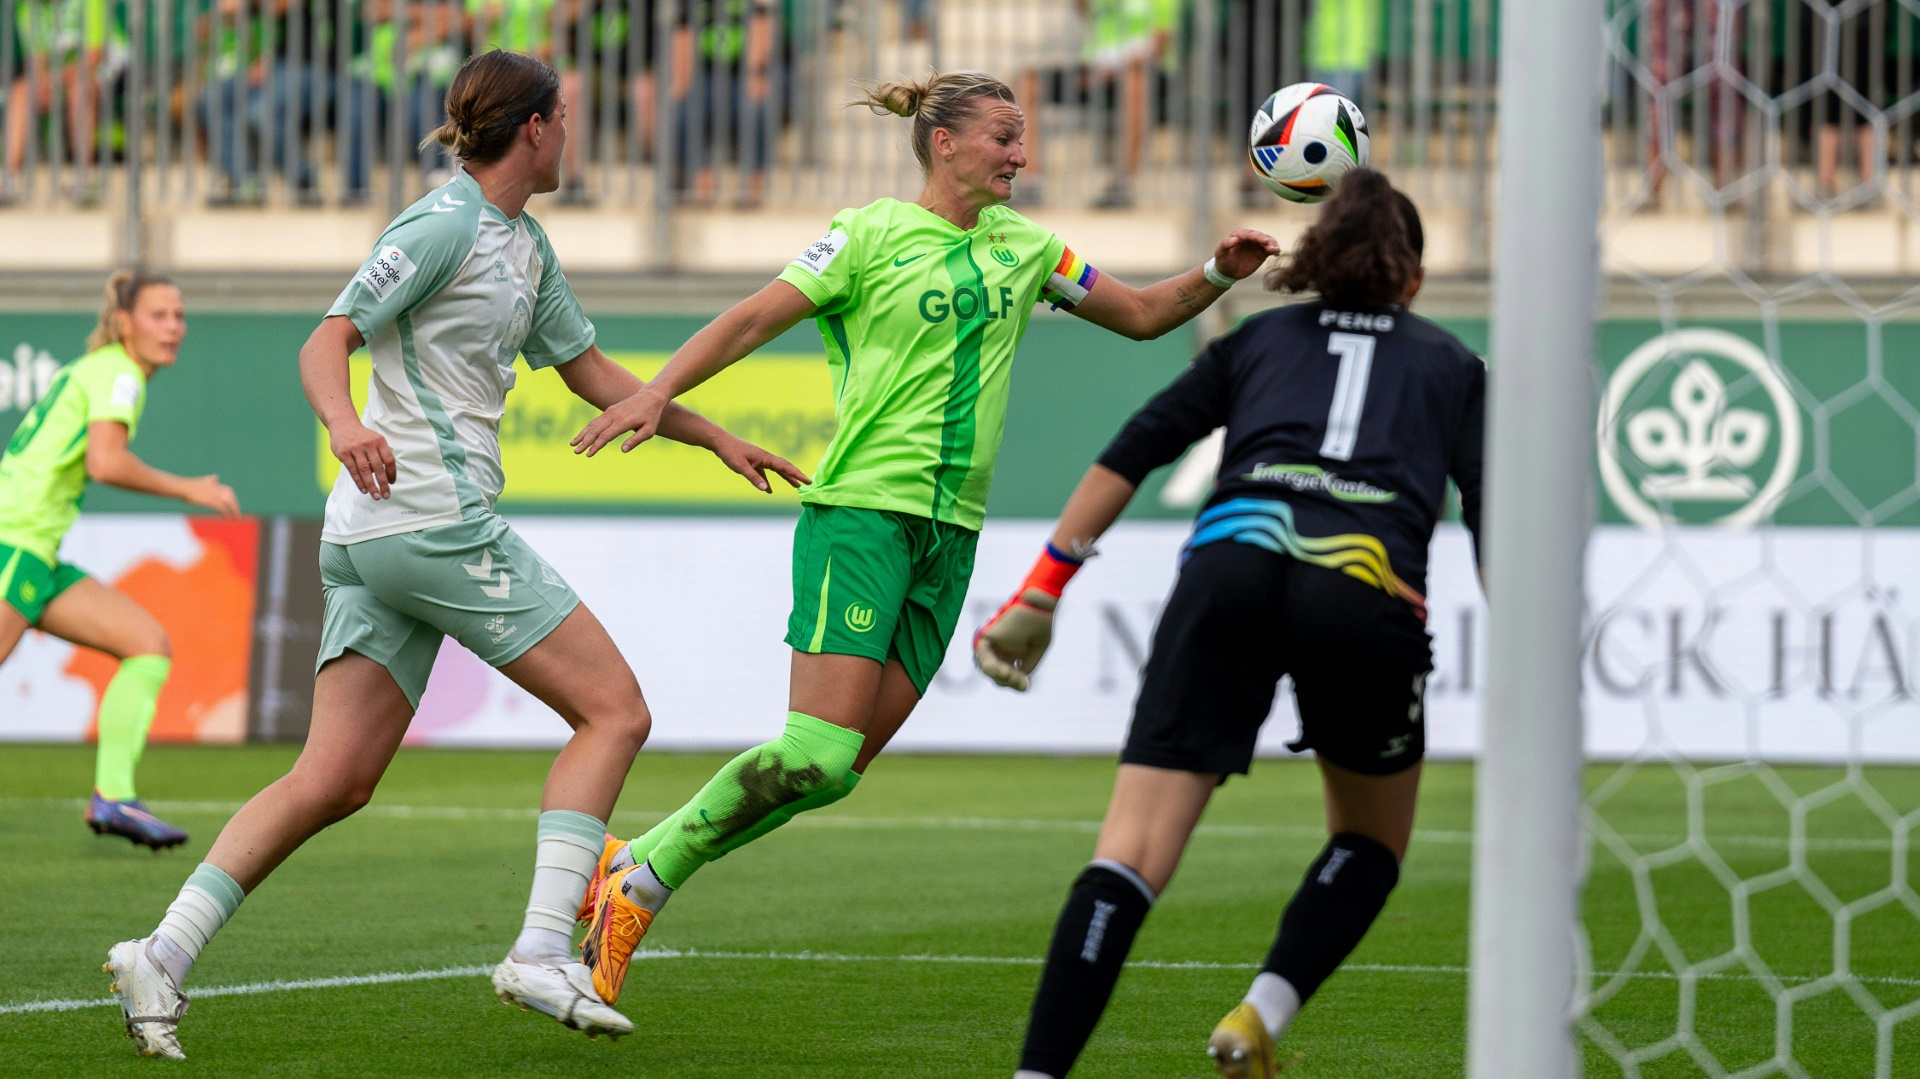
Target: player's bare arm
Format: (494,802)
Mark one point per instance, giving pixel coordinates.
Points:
(729,338)
(109,461)
(325,375)
(1146,313)
(601,383)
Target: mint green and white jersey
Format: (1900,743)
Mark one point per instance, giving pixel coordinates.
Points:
(921,319)
(454,290)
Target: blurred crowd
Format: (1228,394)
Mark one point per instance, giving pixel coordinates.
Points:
(315,93)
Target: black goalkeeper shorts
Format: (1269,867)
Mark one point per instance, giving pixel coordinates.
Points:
(1239,618)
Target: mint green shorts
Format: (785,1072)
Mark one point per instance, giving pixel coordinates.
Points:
(392,599)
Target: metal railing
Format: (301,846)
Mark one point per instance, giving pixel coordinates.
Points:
(1770,108)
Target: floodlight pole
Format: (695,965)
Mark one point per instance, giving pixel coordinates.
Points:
(1538,516)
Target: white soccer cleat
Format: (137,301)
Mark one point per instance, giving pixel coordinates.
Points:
(561,989)
(150,1002)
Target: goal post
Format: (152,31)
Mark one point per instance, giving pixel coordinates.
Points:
(1537,517)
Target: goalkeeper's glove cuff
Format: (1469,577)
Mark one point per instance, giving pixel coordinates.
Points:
(1051,572)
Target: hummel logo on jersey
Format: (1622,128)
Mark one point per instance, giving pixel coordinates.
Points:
(484,571)
(447,203)
(497,625)
(898,262)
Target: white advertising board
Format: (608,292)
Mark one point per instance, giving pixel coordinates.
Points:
(1790,644)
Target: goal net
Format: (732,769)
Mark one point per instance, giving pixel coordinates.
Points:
(1748,907)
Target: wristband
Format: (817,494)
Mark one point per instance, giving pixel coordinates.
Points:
(1215,278)
(1051,572)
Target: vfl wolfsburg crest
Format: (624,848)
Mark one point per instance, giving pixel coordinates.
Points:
(1698,427)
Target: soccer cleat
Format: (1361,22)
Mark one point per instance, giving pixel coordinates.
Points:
(618,924)
(150,1002)
(1241,1048)
(600,868)
(132,820)
(560,989)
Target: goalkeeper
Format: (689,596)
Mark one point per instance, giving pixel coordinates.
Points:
(1344,420)
(921,306)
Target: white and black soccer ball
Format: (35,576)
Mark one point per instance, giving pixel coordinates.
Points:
(1304,139)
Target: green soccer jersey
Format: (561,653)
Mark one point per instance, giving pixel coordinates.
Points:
(920,319)
(44,470)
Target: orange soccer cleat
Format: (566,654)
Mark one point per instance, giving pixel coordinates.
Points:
(591,899)
(617,926)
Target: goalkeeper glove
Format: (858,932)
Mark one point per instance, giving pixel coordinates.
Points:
(1009,646)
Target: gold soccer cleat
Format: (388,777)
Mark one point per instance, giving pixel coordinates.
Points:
(617,926)
(1241,1048)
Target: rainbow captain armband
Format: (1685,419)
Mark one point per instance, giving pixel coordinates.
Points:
(1011,644)
(1071,280)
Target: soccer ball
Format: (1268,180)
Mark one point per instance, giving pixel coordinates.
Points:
(1304,139)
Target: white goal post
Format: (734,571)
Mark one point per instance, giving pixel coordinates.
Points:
(1537,519)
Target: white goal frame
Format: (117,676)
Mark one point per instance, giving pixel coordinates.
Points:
(1538,514)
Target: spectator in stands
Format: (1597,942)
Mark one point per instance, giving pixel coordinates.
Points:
(1344,38)
(722,53)
(1127,42)
(433,52)
(237,37)
(1856,69)
(78,45)
(534,27)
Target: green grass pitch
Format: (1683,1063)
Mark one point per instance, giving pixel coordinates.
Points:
(897,933)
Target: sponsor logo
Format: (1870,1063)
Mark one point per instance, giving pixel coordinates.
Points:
(1698,427)
(500,628)
(499,271)
(1315,478)
(384,272)
(1357,320)
(859,619)
(484,571)
(126,391)
(899,262)
(823,251)
(25,381)
(966,304)
(1004,256)
(1097,930)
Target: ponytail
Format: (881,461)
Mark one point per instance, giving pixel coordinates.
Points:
(937,101)
(123,291)
(1365,249)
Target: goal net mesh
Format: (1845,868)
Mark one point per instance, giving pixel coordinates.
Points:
(1748,908)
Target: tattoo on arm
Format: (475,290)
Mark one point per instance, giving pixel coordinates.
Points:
(1188,300)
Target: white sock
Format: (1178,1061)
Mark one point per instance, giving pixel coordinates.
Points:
(204,904)
(1276,1001)
(569,847)
(622,860)
(1031,1075)
(643,887)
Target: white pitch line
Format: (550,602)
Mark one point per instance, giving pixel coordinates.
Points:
(1649,843)
(659,954)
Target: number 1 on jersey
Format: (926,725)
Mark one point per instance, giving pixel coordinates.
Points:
(1349,393)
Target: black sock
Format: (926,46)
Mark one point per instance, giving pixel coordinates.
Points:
(1090,945)
(1338,900)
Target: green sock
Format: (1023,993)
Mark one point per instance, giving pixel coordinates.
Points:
(736,804)
(639,849)
(126,711)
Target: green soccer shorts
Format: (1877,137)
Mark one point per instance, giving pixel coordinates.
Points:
(392,599)
(28,583)
(879,584)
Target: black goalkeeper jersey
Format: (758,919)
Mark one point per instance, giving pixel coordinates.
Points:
(1343,427)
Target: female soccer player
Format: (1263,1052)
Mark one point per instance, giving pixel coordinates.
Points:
(1345,418)
(921,306)
(458,285)
(78,432)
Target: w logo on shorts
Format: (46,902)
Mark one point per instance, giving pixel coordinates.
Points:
(859,619)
